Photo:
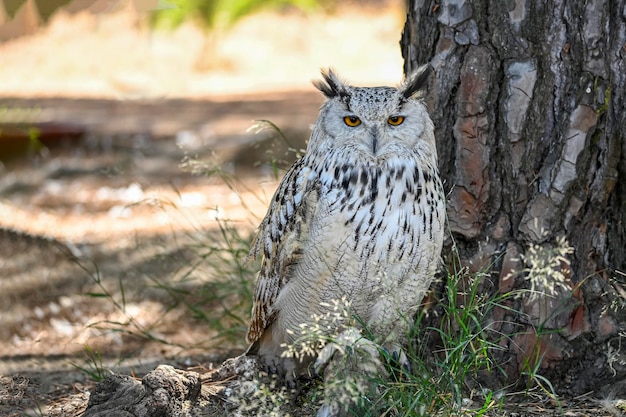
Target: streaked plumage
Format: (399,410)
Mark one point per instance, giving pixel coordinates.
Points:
(360,216)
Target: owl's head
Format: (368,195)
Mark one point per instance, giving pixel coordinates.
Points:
(373,122)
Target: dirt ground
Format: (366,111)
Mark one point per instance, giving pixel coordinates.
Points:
(110,206)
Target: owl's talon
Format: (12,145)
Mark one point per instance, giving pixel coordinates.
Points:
(323,358)
(290,381)
(398,358)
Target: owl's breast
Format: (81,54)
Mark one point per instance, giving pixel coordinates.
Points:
(373,234)
(377,218)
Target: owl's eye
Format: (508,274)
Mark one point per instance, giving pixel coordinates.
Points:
(352,121)
(395,120)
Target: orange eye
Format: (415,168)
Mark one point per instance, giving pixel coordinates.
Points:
(395,120)
(352,121)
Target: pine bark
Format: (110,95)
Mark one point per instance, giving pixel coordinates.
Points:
(528,103)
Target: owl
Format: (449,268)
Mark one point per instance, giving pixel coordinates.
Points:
(359,217)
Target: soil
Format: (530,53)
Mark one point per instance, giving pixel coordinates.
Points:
(97,223)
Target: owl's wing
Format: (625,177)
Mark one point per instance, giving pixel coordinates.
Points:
(280,237)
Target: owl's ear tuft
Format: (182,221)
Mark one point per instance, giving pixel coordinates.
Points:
(415,83)
(331,85)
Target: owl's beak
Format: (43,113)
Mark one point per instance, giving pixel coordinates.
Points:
(374,134)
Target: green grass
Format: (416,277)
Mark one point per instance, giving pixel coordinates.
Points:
(455,356)
(93,366)
(443,381)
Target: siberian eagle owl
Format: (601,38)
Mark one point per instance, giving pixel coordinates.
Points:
(360,216)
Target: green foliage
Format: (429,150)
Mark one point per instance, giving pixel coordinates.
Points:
(445,382)
(93,366)
(218,14)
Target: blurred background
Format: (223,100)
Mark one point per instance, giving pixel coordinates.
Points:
(134,168)
(192,48)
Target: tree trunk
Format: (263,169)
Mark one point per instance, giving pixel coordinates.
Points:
(529,113)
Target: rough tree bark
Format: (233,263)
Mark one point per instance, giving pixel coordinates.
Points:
(528,103)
